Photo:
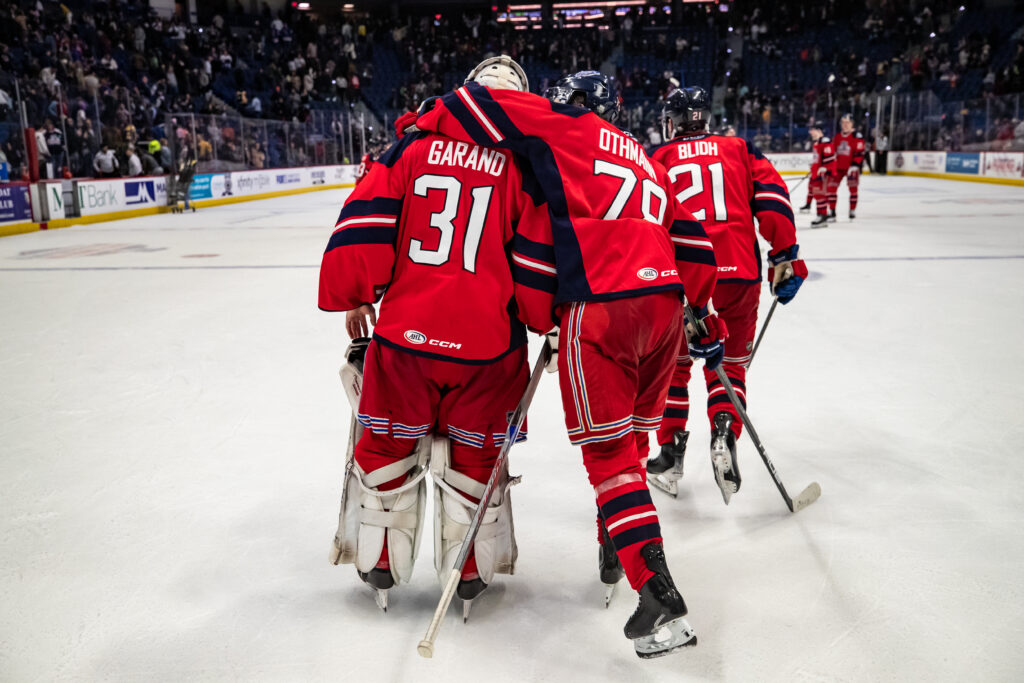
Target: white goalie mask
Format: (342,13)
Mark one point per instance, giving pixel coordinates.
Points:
(500,72)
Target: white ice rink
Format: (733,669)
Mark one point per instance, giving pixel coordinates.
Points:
(172,429)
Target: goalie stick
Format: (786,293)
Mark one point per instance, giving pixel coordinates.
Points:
(426,646)
(813,490)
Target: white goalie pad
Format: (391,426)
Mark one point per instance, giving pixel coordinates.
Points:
(495,545)
(369,515)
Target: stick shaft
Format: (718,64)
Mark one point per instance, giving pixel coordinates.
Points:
(768,319)
(514,425)
(724,379)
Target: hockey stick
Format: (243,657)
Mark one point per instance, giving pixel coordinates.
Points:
(813,490)
(798,183)
(426,646)
(771,312)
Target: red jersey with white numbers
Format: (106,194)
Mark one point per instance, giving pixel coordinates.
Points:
(615,231)
(823,155)
(365,164)
(850,150)
(428,230)
(725,182)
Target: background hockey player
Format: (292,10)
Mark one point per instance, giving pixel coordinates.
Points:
(850,152)
(622,250)
(430,224)
(823,169)
(725,182)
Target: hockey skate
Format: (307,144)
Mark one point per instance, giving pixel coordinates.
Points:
(853,214)
(806,208)
(723,455)
(608,564)
(832,216)
(820,222)
(657,627)
(665,471)
(468,590)
(380,580)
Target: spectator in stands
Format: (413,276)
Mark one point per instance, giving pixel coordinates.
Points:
(134,163)
(105,163)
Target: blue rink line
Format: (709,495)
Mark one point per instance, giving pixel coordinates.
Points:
(920,258)
(285,267)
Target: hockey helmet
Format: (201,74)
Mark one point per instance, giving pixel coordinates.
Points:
(590,89)
(501,72)
(686,110)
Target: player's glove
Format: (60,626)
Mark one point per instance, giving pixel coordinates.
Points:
(552,339)
(710,346)
(822,171)
(786,273)
(406,123)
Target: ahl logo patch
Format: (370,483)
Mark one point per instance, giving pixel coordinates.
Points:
(647,274)
(414,337)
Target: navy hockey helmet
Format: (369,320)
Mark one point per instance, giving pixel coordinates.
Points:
(590,89)
(817,124)
(686,110)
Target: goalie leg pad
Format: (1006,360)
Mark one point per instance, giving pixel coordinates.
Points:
(369,515)
(455,494)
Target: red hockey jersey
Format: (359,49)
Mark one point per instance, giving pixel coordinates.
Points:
(725,182)
(430,225)
(823,156)
(850,150)
(615,231)
(365,164)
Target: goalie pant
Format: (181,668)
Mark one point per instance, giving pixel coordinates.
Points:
(614,366)
(736,304)
(406,396)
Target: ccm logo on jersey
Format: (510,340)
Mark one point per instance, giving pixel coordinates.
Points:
(414,337)
(727,269)
(653,274)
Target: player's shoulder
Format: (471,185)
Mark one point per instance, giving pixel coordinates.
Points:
(824,140)
(858,135)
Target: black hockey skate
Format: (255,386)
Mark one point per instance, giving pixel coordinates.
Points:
(608,565)
(853,214)
(806,208)
(657,627)
(723,455)
(820,222)
(380,580)
(832,216)
(468,590)
(665,470)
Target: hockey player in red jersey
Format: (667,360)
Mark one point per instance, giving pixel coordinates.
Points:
(850,150)
(429,226)
(823,169)
(365,164)
(622,250)
(726,183)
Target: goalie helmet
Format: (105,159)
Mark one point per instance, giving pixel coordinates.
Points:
(590,89)
(686,110)
(501,72)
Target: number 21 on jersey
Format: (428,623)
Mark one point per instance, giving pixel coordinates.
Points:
(697,187)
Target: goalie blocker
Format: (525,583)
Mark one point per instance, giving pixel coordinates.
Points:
(371,517)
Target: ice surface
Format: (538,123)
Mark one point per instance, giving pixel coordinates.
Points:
(171,440)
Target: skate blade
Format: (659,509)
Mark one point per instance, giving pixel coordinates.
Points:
(467,605)
(672,636)
(380,596)
(609,591)
(721,464)
(659,482)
